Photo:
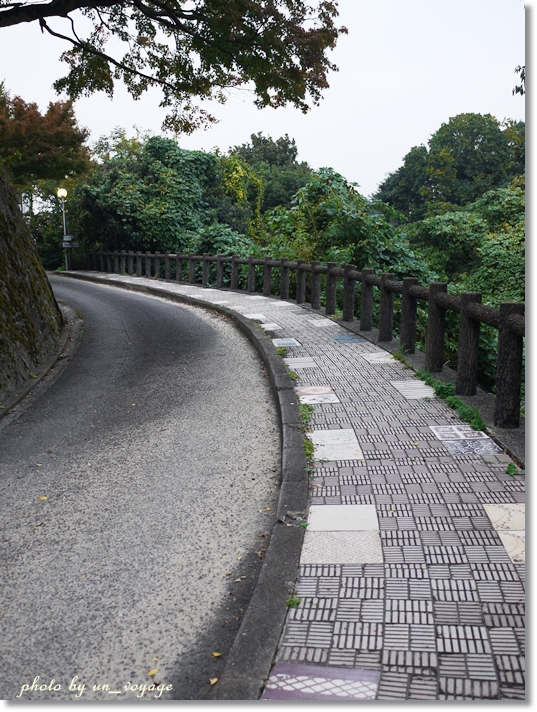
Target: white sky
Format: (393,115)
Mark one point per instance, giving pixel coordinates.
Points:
(406,67)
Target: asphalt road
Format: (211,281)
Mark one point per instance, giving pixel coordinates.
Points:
(155,450)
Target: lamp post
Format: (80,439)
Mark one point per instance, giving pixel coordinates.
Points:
(62,194)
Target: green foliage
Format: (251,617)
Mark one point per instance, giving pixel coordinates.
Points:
(510,469)
(449,242)
(276,165)
(309,451)
(331,221)
(192,50)
(306,411)
(445,391)
(403,188)
(467,156)
(293,602)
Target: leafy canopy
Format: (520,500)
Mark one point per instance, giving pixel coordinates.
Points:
(467,156)
(40,146)
(190,49)
(275,162)
(331,221)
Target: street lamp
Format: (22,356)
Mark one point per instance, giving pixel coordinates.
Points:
(62,194)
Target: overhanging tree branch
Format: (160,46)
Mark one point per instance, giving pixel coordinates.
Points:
(277,46)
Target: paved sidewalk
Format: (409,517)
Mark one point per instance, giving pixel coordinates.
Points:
(412,571)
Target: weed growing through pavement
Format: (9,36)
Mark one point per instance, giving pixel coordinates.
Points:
(399,355)
(281,351)
(292,375)
(445,391)
(306,411)
(293,602)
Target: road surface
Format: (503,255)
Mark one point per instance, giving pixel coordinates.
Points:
(155,451)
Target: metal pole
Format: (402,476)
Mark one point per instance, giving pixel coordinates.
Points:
(64,234)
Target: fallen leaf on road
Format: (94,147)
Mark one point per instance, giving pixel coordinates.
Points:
(39,464)
(320,486)
(239,558)
(228,573)
(214,680)
(155,660)
(217,655)
(43,497)
(267,508)
(237,580)
(152,672)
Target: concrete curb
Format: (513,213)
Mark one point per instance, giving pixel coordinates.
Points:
(253,651)
(70,331)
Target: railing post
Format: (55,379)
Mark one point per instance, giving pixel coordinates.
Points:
(409,313)
(108,262)
(315,286)
(191,269)
(386,309)
(468,352)
(436,324)
(284,279)
(130,264)
(331,286)
(167,270)
(366,301)
(267,277)
(219,272)
(234,272)
(300,282)
(139,271)
(178,268)
(251,274)
(116,262)
(122,262)
(157,264)
(349,288)
(205,270)
(508,369)
(147,264)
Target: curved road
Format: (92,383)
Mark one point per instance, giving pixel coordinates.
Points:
(155,449)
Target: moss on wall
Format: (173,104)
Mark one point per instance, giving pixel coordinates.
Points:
(30,320)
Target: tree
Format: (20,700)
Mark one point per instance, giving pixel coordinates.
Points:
(40,146)
(403,189)
(201,48)
(331,221)
(520,88)
(467,156)
(275,162)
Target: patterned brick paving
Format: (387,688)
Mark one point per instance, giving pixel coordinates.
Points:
(428,602)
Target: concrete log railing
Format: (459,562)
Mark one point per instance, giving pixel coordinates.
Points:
(508,319)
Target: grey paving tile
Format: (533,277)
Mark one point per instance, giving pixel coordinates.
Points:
(443,616)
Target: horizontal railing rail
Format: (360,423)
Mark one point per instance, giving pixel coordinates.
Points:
(509,319)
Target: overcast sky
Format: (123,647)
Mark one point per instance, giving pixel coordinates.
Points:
(406,67)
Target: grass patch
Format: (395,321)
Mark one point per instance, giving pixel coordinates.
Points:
(281,351)
(446,392)
(306,411)
(292,375)
(293,602)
